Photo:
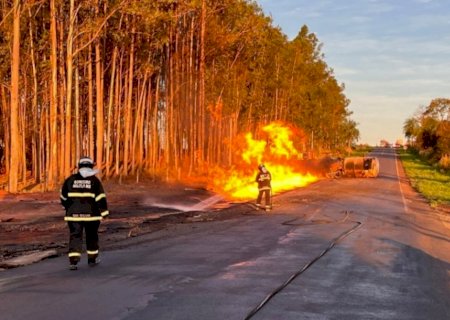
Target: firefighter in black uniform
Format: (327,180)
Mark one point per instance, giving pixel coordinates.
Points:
(84,199)
(263,179)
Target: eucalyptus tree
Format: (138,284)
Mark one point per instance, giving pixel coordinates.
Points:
(15,143)
(154,86)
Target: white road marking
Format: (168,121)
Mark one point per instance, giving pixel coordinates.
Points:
(405,207)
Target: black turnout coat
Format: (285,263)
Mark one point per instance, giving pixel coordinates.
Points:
(84,198)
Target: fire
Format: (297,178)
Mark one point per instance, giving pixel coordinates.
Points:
(279,155)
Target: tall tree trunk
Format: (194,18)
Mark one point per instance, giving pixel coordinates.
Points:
(77,115)
(99,110)
(69,67)
(15,103)
(42,141)
(147,125)
(23,117)
(170,119)
(35,139)
(14,121)
(53,121)
(128,115)
(118,116)
(201,100)
(156,147)
(192,101)
(137,132)
(109,114)
(90,118)
(277,113)
(62,96)
(7,132)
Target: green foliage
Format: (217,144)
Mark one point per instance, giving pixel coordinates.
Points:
(429,131)
(429,180)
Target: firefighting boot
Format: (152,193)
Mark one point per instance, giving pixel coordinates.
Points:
(73,267)
(92,262)
(73,263)
(268,208)
(258,206)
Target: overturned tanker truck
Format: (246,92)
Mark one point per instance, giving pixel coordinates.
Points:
(366,167)
(356,167)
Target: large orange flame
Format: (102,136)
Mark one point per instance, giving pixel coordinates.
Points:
(279,155)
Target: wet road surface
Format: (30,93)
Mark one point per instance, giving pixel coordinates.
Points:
(392,261)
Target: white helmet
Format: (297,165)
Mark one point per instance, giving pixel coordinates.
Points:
(85,162)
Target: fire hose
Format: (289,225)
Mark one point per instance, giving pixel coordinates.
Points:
(342,236)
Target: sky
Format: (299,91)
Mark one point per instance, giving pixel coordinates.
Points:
(392,55)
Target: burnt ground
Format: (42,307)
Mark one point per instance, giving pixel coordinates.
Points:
(33,222)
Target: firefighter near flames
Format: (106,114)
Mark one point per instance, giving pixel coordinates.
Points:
(276,145)
(84,200)
(263,178)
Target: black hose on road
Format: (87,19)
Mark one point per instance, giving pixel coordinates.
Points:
(342,236)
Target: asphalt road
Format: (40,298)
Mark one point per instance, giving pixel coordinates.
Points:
(391,261)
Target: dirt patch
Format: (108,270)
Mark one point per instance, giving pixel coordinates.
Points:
(32,222)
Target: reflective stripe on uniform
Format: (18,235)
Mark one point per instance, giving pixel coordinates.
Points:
(105,213)
(264,188)
(92,252)
(62,197)
(82,218)
(100,196)
(81,194)
(74,254)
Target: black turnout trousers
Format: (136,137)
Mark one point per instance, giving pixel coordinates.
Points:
(267,195)
(76,239)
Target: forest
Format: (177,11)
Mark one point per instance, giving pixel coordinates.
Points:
(154,87)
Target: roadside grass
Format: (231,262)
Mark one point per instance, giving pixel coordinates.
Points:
(432,183)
